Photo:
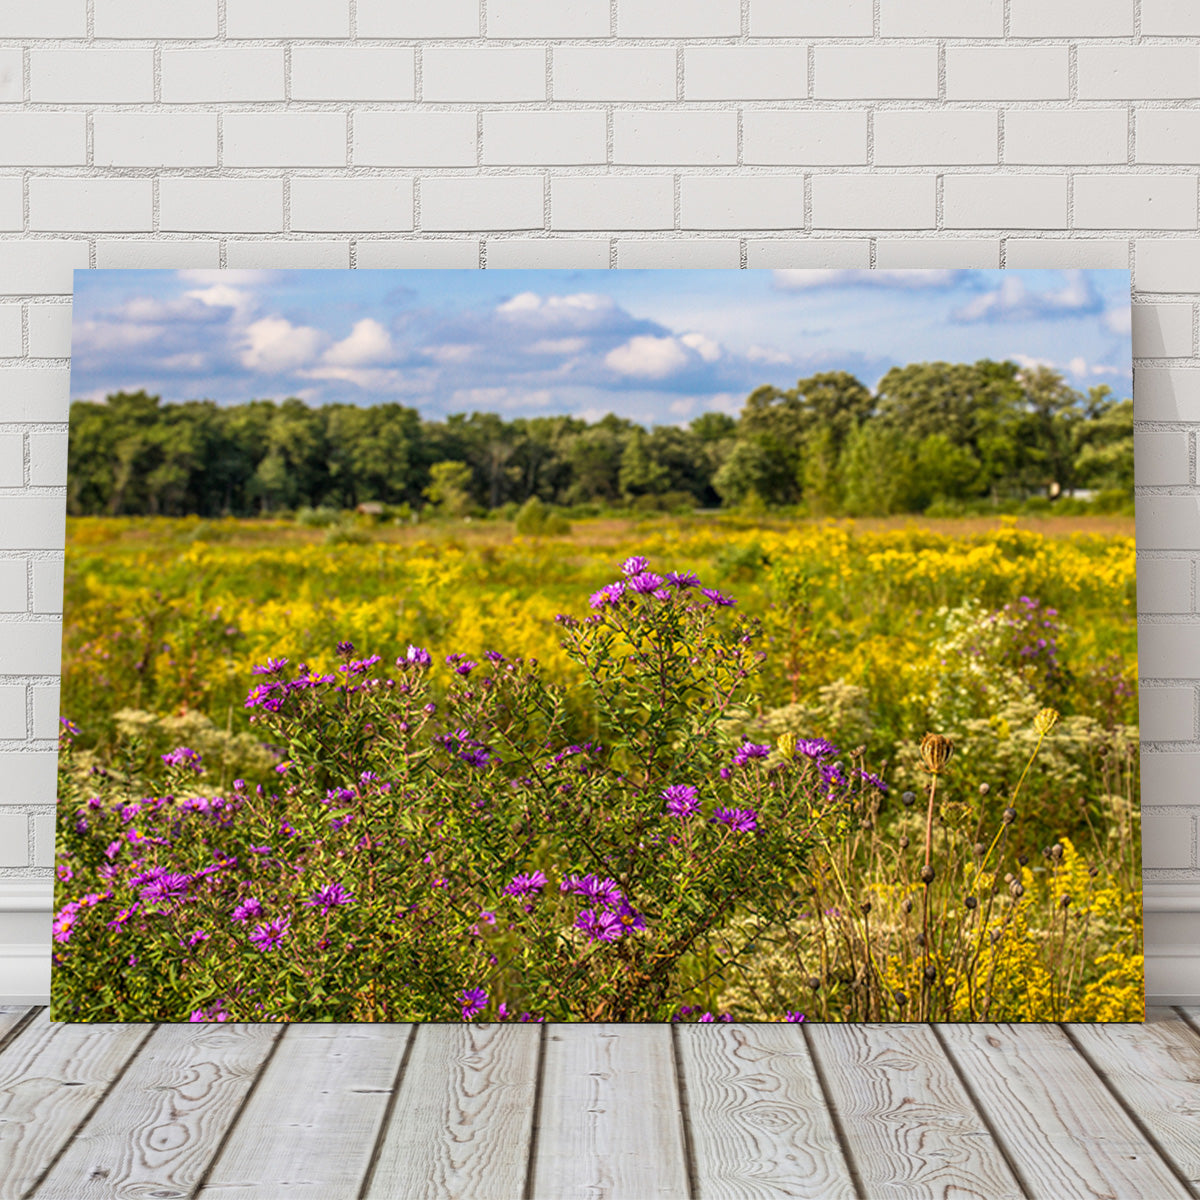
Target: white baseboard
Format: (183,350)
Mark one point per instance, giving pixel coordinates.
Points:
(24,974)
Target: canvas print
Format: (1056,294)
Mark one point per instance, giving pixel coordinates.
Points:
(599,646)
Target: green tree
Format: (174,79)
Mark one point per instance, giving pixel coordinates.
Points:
(450,487)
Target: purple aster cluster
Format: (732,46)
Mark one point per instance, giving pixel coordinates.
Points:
(639,580)
(529,884)
(166,888)
(65,918)
(248,909)
(682,799)
(332,895)
(736,820)
(214,1012)
(748,750)
(186,758)
(270,935)
(414,656)
(460,743)
(472,1001)
(610,915)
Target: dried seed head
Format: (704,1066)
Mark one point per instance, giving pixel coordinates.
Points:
(1009,815)
(1065,900)
(900,998)
(1009,877)
(930,973)
(865,906)
(935,752)
(1017,890)
(984,789)
(814,982)
(1093,872)
(971,902)
(920,939)
(1056,852)
(906,905)
(1023,859)
(994,936)
(904,842)
(927,874)
(1045,721)
(908,799)
(980,849)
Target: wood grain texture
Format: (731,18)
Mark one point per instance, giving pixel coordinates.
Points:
(51,1076)
(610,1121)
(1155,1069)
(310,1127)
(908,1122)
(158,1129)
(463,1116)
(10,1019)
(759,1126)
(1061,1127)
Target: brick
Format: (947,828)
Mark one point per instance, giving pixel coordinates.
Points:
(418,18)
(48,572)
(1169,651)
(43,840)
(1167,266)
(314,139)
(1161,458)
(696,19)
(14,585)
(1162,330)
(45,710)
(1166,394)
(220,205)
(172,139)
(1144,201)
(12,460)
(1167,714)
(486,74)
(937,18)
(547,252)
(1164,585)
(1170,18)
(1168,841)
(547,18)
(873,202)
(30,647)
(12,76)
(549,138)
(875,72)
(287,18)
(337,205)
(275,255)
(12,713)
(48,459)
(86,76)
(786,137)
(49,19)
(43,139)
(10,331)
(689,253)
(28,776)
(1004,202)
(113,205)
(905,137)
(733,202)
(1170,778)
(418,252)
(745,73)
(155,19)
(1006,73)
(353,73)
(1167,523)
(612,202)
(14,841)
(30,394)
(1039,135)
(49,330)
(39,267)
(1066,252)
(1167,135)
(810,18)
(808,253)
(219,75)
(1072,18)
(614,73)
(12,216)
(161,252)
(485,202)
(1138,72)
(415,139)
(673,136)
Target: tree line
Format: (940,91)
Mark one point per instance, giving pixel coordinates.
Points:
(958,433)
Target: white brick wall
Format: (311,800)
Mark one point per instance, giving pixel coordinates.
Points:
(584,133)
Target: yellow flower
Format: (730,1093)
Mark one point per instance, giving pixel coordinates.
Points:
(786,744)
(1045,721)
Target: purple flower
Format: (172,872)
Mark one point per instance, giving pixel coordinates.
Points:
(465,667)
(816,748)
(69,726)
(602,926)
(708,1018)
(748,750)
(529,884)
(718,598)
(646,582)
(738,820)
(634,565)
(183,756)
(682,800)
(64,920)
(793,1018)
(873,780)
(330,896)
(630,918)
(271,667)
(607,595)
(194,938)
(165,888)
(214,1012)
(683,579)
(415,657)
(601,891)
(346,648)
(270,935)
(123,916)
(473,1001)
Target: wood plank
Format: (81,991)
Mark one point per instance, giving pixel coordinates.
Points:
(759,1125)
(1061,1127)
(463,1116)
(158,1129)
(909,1125)
(11,1017)
(51,1076)
(1155,1069)
(610,1123)
(310,1127)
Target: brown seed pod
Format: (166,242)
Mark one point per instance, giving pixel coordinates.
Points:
(865,906)
(935,752)
(1017,890)
(927,874)
(814,982)
(906,905)
(900,998)
(1056,852)
(904,842)
(971,902)
(930,973)
(980,849)
(908,799)
(1009,815)
(984,789)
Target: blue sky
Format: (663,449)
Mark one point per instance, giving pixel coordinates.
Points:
(660,347)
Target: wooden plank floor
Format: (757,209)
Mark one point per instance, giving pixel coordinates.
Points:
(599,1112)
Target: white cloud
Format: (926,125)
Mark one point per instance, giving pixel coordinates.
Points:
(1013,301)
(368,342)
(568,345)
(803,280)
(682,406)
(489,399)
(708,350)
(725,402)
(647,357)
(275,344)
(244,278)
(767,354)
(450,352)
(579,308)
(1119,320)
